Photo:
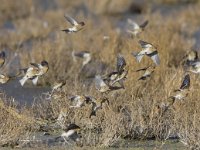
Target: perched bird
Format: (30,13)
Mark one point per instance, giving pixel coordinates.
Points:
(97,104)
(79,100)
(76,26)
(147,72)
(70,133)
(2,58)
(135,28)
(85,55)
(182,92)
(4,78)
(102,87)
(34,71)
(149,50)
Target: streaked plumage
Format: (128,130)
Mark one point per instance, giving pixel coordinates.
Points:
(79,100)
(136,29)
(76,26)
(2,58)
(149,50)
(85,55)
(147,72)
(34,71)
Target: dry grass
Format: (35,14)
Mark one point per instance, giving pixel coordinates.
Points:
(133,112)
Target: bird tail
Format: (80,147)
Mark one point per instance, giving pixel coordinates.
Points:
(23,80)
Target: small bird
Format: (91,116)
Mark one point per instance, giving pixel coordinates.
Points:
(135,28)
(4,78)
(100,85)
(2,58)
(34,71)
(97,104)
(70,133)
(182,92)
(147,72)
(103,87)
(119,75)
(190,58)
(149,50)
(76,26)
(79,100)
(85,55)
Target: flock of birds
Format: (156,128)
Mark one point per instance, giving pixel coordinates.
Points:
(109,82)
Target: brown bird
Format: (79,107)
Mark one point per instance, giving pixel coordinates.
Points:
(135,28)
(34,71)
(149,50)
(147,72)
(2,58)
(76,26)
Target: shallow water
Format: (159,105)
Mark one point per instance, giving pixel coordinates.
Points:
(23,95)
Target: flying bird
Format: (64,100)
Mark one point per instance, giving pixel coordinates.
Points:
(149,50)
(76,26)
(34,71)
(190,58)
(121,63)
(70,133)
(85,55)
(147,72)
(183,91)
(97,104)
(135,28)
(79,100)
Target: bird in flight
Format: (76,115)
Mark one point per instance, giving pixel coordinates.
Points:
(76,26)
(148,50)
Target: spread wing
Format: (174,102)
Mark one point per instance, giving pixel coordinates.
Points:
(145,44)
(71,20)
(186,82)
(144,24)
(121,63)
